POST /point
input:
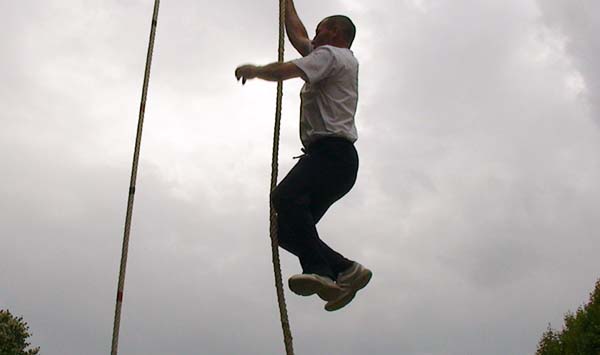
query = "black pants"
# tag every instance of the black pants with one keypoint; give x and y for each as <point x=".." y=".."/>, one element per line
<point x="322" y="176"/>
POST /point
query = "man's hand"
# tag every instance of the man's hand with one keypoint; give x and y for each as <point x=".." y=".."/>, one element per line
<point x="246" y="72"/>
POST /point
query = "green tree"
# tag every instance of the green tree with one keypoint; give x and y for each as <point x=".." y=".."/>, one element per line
<point x="13" y="335"/>
<point x="580" y="334"/>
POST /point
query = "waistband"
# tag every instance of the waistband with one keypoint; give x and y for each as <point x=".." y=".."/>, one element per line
<point x="324" y="142"/>
<point x="327" y="140"/>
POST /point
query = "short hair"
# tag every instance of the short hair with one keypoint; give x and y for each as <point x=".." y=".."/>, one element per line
<point x="345" y="25"/>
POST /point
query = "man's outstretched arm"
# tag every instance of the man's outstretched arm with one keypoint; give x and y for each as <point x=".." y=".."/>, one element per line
<point x="269" y="72"/>
<point x="295" y="29"/>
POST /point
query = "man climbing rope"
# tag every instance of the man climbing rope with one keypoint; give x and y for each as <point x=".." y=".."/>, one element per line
<point x="329" y="166"/>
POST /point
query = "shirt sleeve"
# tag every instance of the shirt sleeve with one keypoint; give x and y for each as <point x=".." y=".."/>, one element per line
<point x="318" y="65"/>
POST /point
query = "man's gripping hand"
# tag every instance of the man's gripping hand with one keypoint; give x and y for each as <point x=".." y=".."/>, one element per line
<point x="246" y="72"/>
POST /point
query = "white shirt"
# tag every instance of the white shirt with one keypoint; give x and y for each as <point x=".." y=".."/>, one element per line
<point x="330" y="95"/>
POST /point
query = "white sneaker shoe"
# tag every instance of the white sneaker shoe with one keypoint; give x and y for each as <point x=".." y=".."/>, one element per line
<point x="309" y="284"/>
<point x="350" y="281"/>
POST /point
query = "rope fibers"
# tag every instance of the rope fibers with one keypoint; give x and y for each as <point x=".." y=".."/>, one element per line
<point x="285" y="324"/>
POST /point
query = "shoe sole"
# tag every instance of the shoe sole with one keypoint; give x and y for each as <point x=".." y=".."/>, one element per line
<point x="341" y="302"/>
<point x="309" y="286"/>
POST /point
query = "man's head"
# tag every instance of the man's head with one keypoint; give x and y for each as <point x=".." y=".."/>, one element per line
<point x="337" y="30"/>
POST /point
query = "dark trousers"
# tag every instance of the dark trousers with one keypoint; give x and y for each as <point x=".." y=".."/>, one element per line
<point x="322" y="176"/>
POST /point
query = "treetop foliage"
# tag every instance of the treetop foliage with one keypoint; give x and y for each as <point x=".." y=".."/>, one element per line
<point x="13" y="335"/>
<point x="580" y="334"/>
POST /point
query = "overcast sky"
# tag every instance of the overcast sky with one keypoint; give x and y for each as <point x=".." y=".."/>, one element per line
<point x="476" y="205"/>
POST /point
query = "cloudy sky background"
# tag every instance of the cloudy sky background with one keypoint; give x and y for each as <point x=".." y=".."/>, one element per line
<point x="476" y="205"/>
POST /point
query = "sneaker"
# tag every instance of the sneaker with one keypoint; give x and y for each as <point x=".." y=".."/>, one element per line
<point x="350" y="281"/>
<point x="309" y="284"/>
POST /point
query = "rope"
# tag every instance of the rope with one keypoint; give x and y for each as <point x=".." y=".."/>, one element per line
<point x="285" y="324"/>
<point x="274" y="168"/>
<point x="136" y="154"/>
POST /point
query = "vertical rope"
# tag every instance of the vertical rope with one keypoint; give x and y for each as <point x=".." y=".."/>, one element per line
<point x="136" y="154"/>
<point x="285" y="324"/>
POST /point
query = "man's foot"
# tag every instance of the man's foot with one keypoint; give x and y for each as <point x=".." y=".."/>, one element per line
<point x="350" y="281"/>
<point x="309" y="284"/>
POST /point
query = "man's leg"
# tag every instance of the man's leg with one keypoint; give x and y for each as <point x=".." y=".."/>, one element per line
<point x="297" y="231"/>
<point x="339" y="168"/>
<point x="338" y="178"/>
<point x="318" y="180"/>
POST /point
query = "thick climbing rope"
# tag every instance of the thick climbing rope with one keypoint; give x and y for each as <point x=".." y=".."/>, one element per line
<point x="136" y="155"/>
<point x="285" y="324"/>
<point x="274" y="169"/>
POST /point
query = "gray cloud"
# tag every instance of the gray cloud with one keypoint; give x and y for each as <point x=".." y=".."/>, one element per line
<point x="578" y="24"/>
